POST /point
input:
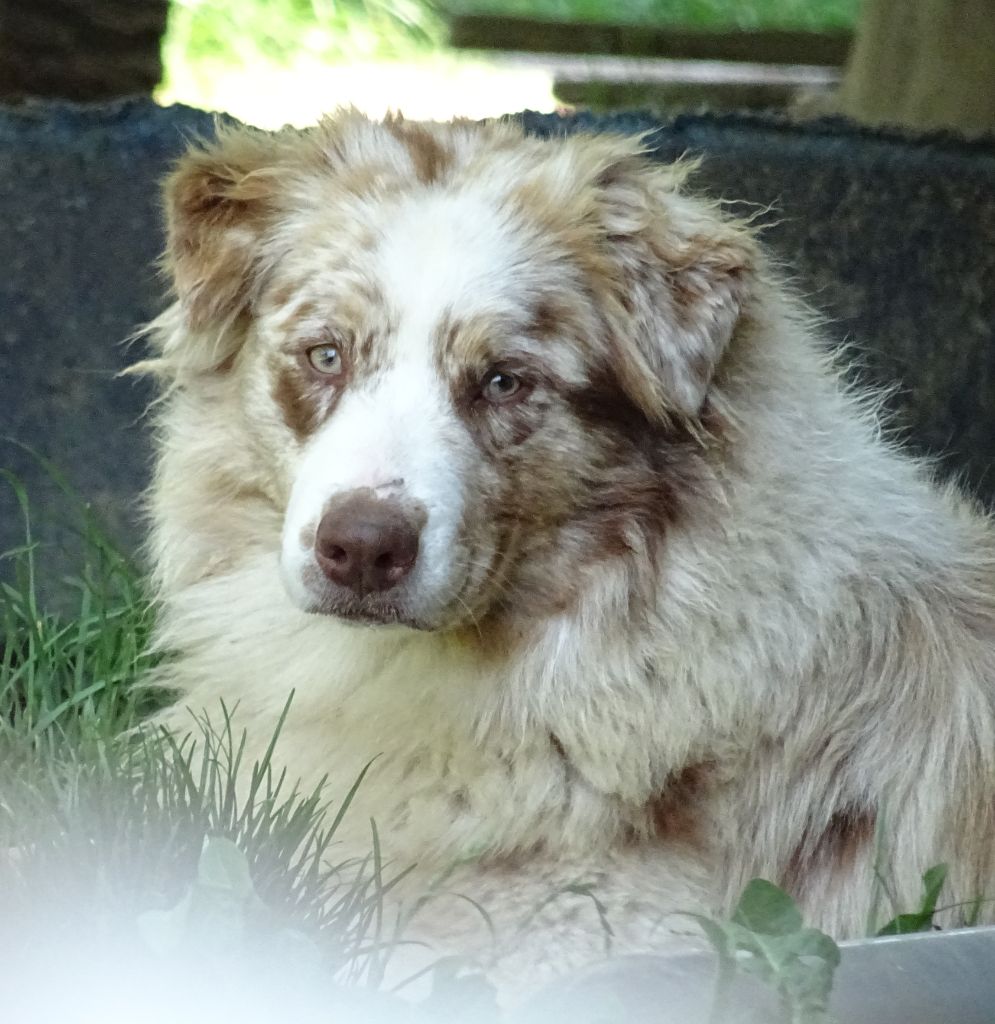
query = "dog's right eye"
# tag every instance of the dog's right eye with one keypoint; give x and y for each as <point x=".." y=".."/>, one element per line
<point x="498" y="387"/>
<point x="326" y="359"/>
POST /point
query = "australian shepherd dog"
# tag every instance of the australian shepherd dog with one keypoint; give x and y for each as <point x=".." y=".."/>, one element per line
<point x="519" y="466"/>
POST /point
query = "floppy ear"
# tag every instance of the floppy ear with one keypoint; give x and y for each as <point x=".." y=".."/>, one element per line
<point x="681" y="273"/>
<point x="219" y="202"/>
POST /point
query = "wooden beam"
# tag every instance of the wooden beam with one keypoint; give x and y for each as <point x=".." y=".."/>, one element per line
<point x="764" y="46"/>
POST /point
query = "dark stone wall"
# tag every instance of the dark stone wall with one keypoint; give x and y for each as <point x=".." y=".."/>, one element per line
<point x="894" y="240"/>
<point x="79" y="238"/>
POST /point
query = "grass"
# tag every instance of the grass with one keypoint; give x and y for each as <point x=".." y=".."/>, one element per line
<point x="67" y="682"/>
<point x="119" y="840"/>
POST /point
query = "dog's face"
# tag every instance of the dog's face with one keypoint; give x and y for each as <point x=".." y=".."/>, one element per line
<point x="473" y="363"/>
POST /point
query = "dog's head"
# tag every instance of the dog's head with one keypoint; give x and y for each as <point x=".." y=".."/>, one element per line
<point x="474" y="363"/>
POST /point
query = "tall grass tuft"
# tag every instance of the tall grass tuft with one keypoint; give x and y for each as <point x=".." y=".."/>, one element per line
<point x="109" y="826"/>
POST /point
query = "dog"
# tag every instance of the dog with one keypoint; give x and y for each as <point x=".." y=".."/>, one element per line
<point x="519" y="465"/>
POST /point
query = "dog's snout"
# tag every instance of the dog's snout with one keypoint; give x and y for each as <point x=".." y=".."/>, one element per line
<point x="366" y="544"/>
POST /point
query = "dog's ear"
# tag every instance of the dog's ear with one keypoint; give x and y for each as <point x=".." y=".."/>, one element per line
<point x="680" y="272"/>
<point x="219" y="203"/>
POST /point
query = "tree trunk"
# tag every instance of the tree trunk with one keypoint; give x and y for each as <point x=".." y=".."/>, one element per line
<point x="924" y="64"/>
<point x="80" y="49"/>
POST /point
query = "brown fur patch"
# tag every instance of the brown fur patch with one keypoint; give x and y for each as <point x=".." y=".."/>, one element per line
<point x="834" y="850"/>
<point x="370" y="351"/>
<point x="429" y="157"/>
<point x="658" y="467"/>
<point x="302" y="313"/>
<point x="462" y="343"/>
<point x="560" y="529"/>
<point x="217" y="204"/>
<point x="557" y="745"/>
<point x="300" y="414"/>
<point x="548" y="318"/>
<point x="227" y="364"/>
<point x="465" y="351"/>
<point x="282" y="294"/>
<point x="304" y="402"/>
<point x="675" y="814"/>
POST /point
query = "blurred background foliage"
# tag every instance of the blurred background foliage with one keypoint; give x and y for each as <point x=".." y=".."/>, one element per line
<point x="239" y="32"/>
<point x="743" y="14"/>
<point x="270" y="61"/>
<point x="920" y="64"/>
<point x="276" y="61"/>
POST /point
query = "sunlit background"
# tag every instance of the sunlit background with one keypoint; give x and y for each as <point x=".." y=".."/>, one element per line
<point x="273" y="62"/>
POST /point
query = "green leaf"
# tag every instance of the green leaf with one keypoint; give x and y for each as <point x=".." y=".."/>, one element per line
<point x="810" y="942"/>
<point x="716" y="933"/>
<point x="224" y="866"/>
<point x="933" y="881"/>
<point x="767" y="910"/>
<point x="769" y="954"/>
<point x="920" y="920"/>
<point x="767" y="939"/>
<point x="906" y="924"/>
<point x="807" y="991"/>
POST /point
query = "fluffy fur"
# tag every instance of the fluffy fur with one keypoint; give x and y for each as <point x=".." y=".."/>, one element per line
<point x="680" y="617"/>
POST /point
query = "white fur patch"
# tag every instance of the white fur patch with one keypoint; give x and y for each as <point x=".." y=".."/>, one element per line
<point x="398" y="437"/>
<point x="398" y="433"/>
<point x="447" y="251"/>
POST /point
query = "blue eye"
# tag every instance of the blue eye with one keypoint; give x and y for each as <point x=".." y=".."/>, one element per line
<point x="499" y="386"/>
<point x="325" y="359"/>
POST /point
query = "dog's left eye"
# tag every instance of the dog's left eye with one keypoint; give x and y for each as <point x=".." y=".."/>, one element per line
<point x="325" y="359"/>
<point x="499" y="386"/>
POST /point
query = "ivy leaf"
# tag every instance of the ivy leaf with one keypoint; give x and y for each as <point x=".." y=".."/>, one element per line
<point x="764" y="909"/>
<point x="806" y="988"/>
<point x="766" y="938"/>
<point x="810" y="942"/>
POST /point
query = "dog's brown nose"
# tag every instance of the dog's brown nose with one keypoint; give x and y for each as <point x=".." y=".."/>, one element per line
<point x="365" y="543"/>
